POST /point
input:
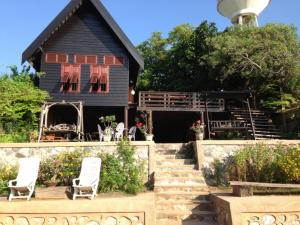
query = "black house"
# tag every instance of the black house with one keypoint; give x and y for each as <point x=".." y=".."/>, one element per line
<point x="86" y="57"/>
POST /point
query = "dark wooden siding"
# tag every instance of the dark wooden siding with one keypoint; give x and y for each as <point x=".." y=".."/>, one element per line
<point x="87" y="33"/>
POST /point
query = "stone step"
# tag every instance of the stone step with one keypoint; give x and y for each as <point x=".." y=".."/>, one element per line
<point x="185" y="215"/>
<point x="171" y="156"/>
<point x="203" y="205"/>
<point x="186" y="188"/>
<point x="178" y="173"/>
<point x="187" y="222"/>
<point x="172" y="146"/>
<point x="175" y="167"/>
<point x="175" y="161"/>
<point x="179" y="196"/>
<point x="179" y="181"/>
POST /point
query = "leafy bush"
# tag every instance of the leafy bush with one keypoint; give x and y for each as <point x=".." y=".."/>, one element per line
<point x="262" y="163"/>
<point x="119" y="172"/>
<point x="61" y="168"/>
<point x="122" y="172"/>
<point x="7" y="173"/>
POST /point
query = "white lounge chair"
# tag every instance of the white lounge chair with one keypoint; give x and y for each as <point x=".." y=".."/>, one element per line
<point x="23" y="186"/>
<point x="131" y="133"/>
<point x="87" y="183"/>
<point x="100" y="131"/>
<point x="119" y="131"/>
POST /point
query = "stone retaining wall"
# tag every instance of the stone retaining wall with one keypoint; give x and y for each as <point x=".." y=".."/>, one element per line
<point x="257" y="210"/>
<point x="10" y="153"/>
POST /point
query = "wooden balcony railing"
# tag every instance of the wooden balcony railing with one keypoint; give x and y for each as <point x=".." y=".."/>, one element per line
<point x="179" y="101"/>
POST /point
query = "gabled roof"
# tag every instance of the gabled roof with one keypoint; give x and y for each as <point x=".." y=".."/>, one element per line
<point x="65" y="14"/>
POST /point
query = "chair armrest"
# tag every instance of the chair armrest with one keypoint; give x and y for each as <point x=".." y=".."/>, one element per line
<point x="10" y="183"/>
<point x="74" y="181"/>
<point x="95" y="182"/>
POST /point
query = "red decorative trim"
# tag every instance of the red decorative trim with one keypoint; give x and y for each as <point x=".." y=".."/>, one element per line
<point x="119" y="61"/>
<point x="91" y="59"/>
<point x="56" y="58"/>
<point x="50" y="58"/>
<point x="109" y="60"/>
<point x="85" y="59"/>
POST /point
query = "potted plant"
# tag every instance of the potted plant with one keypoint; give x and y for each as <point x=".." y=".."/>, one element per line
<point x="144" y="126"/>
<point x="109" y="123"/>
<point x="198" y="129"/>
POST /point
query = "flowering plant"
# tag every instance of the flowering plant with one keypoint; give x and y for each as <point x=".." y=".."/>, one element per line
<point x="141" y="122"/>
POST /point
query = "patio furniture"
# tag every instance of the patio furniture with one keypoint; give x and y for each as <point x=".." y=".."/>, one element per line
<point x="131" y="133"/>
<point x="23" y="186"/>
<point x="119" y="131"/>
<point x="100" y="131"/>
<point x="87" y="183"/>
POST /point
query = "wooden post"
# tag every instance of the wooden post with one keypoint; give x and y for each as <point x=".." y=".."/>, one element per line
<point x="126" y="120"/>
<point x="150" y="122"/>
<point x="207" y="118"/>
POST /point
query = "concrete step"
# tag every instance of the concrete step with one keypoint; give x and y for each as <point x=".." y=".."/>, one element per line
<point x="180" y="195"/>
<point x="173" y="146"/>
<point x="178" y="173"/>
<point x="185" y="188"/>
<point x="180" y="181"/>
<point x="175" y="161"/>
<point x="202" y="205"/>
<point x="178" y="215"/>
<point x="171" y="156"/>
<point x="175" y="167"/>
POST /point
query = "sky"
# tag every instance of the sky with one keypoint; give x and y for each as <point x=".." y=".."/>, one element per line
<point x="22" y="21"/>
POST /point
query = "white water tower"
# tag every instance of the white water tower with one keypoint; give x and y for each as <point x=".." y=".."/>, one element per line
<point x="243" y="12"/>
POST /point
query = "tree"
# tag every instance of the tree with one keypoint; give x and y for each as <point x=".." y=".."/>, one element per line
<point x="265" y="60"/>
<point x="177" y="63"/>
<point x="20" y="101"/>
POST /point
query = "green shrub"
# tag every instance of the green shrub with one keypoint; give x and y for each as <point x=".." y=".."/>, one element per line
<point x="289" y="164"/>
<point x="61" y="168"/>
<point x="7" y="173"/>
<point x="122" y="172"/>
<point x="262" y="163"/>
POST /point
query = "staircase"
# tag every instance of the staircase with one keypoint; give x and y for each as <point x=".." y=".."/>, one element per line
<point x="263" y="125"/>
<point x="180" y="190"/>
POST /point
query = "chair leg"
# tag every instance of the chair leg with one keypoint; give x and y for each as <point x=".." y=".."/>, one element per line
<point x="12" y="194"/>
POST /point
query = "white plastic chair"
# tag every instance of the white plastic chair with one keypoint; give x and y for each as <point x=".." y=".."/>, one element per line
<point x="119" y="131"/>
<point x="101" y="135"/>
<point x="87" y="183"/>
<point x="23" y="186"/>
<point x="131" y="133"/>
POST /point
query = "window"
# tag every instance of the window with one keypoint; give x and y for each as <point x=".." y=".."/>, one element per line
<point x="56" y="58"/>
<point x="113" y="60"/>
<point x="85" y="59"/>
<point x="70" y="78"/>
<point x="99" y="79"/>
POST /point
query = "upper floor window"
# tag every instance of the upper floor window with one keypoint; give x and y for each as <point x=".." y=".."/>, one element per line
<point x="85" y="59"/>
<point x="70" y="78"/>
<point x="56" y="58"/>
<point x="99" y="79"/>
<point x="113" y="60"/>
